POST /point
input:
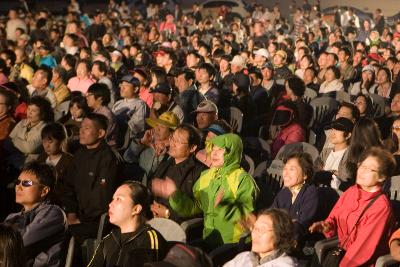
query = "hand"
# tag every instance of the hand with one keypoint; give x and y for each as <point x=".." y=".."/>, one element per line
<point x="147" y="138"/>
<point x="163" y="188"/>
<point x="159" y="210"/>
<point x="248" y="221"/>
<point x="219" y="197"/>
<point x="72" y="218"/>
<point x="160" y="147"/>
<point x="321" y="227"/>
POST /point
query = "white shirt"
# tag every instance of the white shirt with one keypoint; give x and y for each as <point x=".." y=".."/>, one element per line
<point x="333" y="160"/>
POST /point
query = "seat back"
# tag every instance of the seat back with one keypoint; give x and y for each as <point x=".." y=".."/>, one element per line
<point x="323" y="109"/>
<point x="309" y="94"/>
<point x="61" y="110"/>
<point x="236" y="119"/>
<point x="343" y="96"/>
<point x="386" y="261"/>
<point x="251" y="164"/>
<point x="392" y="190"/>
<point x="169" y="229"/>
<point x="288" y="149"/>
<point x="274" y="177"/>
<point x="260" y="170"/>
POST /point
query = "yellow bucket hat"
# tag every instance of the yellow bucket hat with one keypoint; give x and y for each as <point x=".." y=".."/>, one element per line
<point x="167" y="119"/>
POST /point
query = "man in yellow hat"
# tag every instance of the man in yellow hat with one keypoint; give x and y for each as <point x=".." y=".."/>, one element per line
<point x="146" y="154"/>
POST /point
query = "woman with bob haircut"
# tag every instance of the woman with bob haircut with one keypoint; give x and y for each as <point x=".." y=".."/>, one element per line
<point x="298" y="196"/>
<point x="272" y="240"/>
<point x="133" y="242"/>
<point x="366" y="240"/>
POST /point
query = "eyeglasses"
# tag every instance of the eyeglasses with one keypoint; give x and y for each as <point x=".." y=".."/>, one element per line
<point x="366" y="168"/>
<point x="359" y="103"/>
<point x="26" y="183"/>
<point x="395" y="128"/>
<point x="172" y="140"/>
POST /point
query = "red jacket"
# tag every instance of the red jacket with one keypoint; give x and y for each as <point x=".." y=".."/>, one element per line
<point x="293" y="133"/>
<point x="369" y="240"/>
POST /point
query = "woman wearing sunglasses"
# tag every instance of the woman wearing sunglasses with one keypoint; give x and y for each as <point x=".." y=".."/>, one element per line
<point x="42" y="225"/>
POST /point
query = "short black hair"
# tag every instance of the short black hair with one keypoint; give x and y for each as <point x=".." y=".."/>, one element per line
<point x="70" y="60"/>
<point x="100" y="90"/>
<point x="43" y="172"/>
<point x="305" y="162"/>
<point x="80" y="101"/>
<point x="99" y="119"/>
<point x="47" y="72"/>
<point x="194" y="138"/>
<point x="296" y="85"/>
<point x="188" y="74"/>
<point x="55" y="131"/>
<point x="102" y="66"/>
<point x="355" y="113"/>
<point x="208" y="67"/>
<point x="335" y="70"/>
<point x="46" y="111"/>
<point x="10" y="54"/>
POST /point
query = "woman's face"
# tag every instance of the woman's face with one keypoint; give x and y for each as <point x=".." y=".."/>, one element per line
<point x="361" y="104"/>
<point x="121" y="207"/>
<point x="94" y="46"/>
<point x="76" y="112"/>
<point x="381" y="78"/>
<point x="81" y="71"/>
<point x="293" y="173"/>
<point x="368" y="176"/>
<point x="33" y="114"/>
<point x="396" y="129"/>
<point x="366" y="76"/>
<point x="30" y="194"/>
<point x="336" y="137"/>
<point x="304" y="63"/>
<point x="263" y="236"/>
<point x="329" y="75"/>
<point x="217" y="156"/>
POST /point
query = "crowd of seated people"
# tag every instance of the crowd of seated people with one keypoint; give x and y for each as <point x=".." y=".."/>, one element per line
<point x="149" y="113"/>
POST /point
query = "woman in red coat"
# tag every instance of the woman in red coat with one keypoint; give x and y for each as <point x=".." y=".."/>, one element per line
<point x="369" y="239"/>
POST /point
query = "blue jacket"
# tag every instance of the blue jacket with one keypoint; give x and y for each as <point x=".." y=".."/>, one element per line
<point x="304" y="209"/>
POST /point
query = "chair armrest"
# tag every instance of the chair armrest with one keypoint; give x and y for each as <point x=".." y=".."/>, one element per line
<point x="384" y="261"/>
<point x="322" y="246"/>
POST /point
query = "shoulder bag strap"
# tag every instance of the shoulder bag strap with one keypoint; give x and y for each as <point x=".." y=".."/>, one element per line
<point x="359" y="218"/>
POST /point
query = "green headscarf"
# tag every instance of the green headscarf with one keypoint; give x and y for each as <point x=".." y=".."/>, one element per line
<point x="233" y="151"/>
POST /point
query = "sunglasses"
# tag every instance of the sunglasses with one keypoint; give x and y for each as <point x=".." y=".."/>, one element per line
<point x="25" y="183"/>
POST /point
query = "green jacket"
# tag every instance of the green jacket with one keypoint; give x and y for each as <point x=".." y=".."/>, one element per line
<point x="221" y="223"/>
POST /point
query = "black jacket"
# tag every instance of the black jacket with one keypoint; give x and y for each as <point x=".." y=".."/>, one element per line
<point x="185" y="174"/>
<point x="90" y="182"/>
<point x="130" y="249"/>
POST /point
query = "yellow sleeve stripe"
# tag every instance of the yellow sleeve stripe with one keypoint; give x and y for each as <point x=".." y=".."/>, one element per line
<point x="155" y="239"/>
<point x="151" y="239"/>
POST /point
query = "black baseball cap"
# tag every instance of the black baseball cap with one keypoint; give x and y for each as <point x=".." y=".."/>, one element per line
<point x="341" y="124"/>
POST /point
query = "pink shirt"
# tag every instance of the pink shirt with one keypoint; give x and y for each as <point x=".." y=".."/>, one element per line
<point x="146" y="96"/>
<point x="81" y="85"/>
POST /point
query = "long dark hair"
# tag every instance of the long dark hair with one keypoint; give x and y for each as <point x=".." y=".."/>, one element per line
<point x="11" y="247"/>
<point x="365" y="135"/>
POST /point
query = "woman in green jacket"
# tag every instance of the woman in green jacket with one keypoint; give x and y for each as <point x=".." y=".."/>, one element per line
<point x="224" y="194"/>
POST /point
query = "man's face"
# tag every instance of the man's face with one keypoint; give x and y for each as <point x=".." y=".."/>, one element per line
<point x="38" y="80"/>
<point x="181" y="83"/>
<point x="179" y="145"/>
<point x="204" y="120"/>
<point x="89" y="133"/>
